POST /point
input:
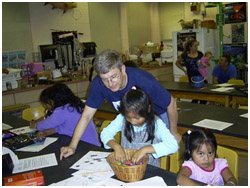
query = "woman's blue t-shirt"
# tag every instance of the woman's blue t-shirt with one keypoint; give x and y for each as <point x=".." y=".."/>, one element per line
<point x="191" y="64"/>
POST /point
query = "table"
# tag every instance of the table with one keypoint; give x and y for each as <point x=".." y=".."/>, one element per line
<point x="239" y="97"/>
<point x="234" y="136"/>
<point x="187" y="91"/>
<point x="61" y="171"/>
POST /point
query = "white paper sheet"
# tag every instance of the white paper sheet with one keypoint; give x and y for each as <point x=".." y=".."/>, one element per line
<point x="223" y="85"/>
<point x="6" y="126"/>
<point x="92" y="161"/>
<point x="33" y="163"/>
<point x="37" y="148"/>
<point x="154" y="181"/>
<point x="244" y="115"/>
<point x="223" y="89"/>
<point x="213" y="124"/>
<point x="110" y="182"/>
<point x="22" y="130"/>
<point x="72" y="181"/>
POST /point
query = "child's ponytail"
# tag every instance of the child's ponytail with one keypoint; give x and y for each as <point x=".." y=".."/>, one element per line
<point x="187" y="153"/>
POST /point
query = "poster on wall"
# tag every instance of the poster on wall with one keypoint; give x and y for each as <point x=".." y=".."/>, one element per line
<point x="238" y="34"/>
<point x="14" y="59"/>
<point x="182" y="39"/>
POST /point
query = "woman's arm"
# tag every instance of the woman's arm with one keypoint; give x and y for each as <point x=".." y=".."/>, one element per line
<point x="179" y="64"/>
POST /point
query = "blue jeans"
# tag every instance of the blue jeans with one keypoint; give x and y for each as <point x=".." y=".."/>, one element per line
<point x="164" y="117"/>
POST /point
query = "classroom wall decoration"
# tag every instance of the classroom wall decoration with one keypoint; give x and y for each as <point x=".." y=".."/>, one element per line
<point x="14" y="59"/>
<point x="238" y="34"/>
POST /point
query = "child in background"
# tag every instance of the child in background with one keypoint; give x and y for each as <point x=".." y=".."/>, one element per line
<point x="141" y="130"/>
<point x="64" y="109"/>
<point x="204" y="63"/>
<point x="200" y="163"/>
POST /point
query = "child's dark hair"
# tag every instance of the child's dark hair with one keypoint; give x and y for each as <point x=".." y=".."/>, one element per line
<point x="61" y="95"/>
<point x="137" y="101"/>
<point x="195" y="139"/>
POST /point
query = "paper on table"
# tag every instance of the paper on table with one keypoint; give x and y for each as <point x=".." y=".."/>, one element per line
<point x="33" y="163"/>
<point x="154" y="181"/>
<point x="37" y="148"/>
<point x="76" y="181"/>
<point x="223" y="85"/>
<point x="92" y="161"/>
<point x="110" y="182"/>
<point x="223" y="89"/>
<point x="213" y="124"/>
<point x="22" y="130"/>
<point x="6" y="126"/>
<point x="244" y="115"/>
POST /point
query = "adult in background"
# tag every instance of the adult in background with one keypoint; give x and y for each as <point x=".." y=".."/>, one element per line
<point x="114" y="79"/>
<point x="224" y="71"/>
<point x="189" y="59"/>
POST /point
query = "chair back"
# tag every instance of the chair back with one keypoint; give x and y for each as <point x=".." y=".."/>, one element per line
<point x="176" y="159"/>
<point x="236" y="82"/>
<point x="105" y="123"/>
<point x="232" y="159"/>
<point x="33" y="113"/>
<point x="183" y="79"/>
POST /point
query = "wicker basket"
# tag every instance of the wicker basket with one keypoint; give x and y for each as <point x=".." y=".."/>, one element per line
<point x="128" y="173"/>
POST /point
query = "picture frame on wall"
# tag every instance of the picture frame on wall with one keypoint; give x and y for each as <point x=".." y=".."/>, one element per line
<point x="238" y="33"/>
<point x="235" y="12"/>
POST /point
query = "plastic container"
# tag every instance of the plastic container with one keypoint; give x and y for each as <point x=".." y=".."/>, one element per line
<point x="198" y="81"/>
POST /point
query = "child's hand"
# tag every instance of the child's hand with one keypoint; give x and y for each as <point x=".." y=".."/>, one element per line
<point x="138" y="155"/>
<point x="120" y="154"/>
<point x="40" y="135"/>
<point x="32" y="124"/>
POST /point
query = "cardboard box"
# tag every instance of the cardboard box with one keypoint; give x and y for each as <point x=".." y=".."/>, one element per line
<point x="33" y="178"/>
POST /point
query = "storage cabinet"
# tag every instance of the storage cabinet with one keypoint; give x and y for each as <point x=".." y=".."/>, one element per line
<point x="30" y="96"/>
<point x="163" y="73"/>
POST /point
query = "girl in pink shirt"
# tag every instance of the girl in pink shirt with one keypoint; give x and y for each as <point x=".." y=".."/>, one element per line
<point x="204" y="63"/>
<point x="200" y="163"/>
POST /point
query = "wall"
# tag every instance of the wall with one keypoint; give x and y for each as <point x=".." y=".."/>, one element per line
<point x="139" y="26"/>
<point x="170" y="14"/>
<point x="105" y="25"/>
<point x="111" y="25"/>
<point x="16" y="28"/>
<point x="45" y="20"/>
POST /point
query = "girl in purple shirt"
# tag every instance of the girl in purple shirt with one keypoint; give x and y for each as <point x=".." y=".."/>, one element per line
<point x="200" y="163"/>
<point x="64" y="109"/>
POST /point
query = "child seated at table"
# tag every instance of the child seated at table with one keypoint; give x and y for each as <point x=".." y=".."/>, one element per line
<point x="63" y="111"/>
<point x="141" y="130"/>
<point x="200" y="163"/>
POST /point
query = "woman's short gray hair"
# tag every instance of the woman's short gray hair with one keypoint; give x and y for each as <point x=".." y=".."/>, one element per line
<point x="106" y="61"/>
